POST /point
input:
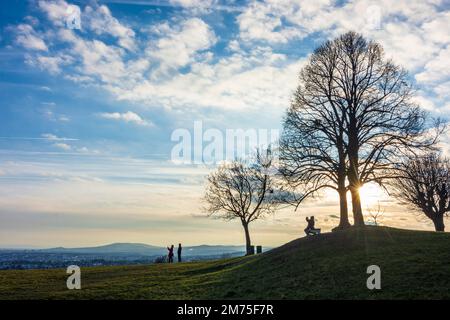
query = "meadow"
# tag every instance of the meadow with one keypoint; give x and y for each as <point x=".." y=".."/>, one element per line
<point x="414" y="265"/>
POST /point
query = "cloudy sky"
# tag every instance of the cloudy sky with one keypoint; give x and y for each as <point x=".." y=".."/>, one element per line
<point x="91" y="92"/>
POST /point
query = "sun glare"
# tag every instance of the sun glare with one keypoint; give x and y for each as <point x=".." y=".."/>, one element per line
<point x="370" y="195"/>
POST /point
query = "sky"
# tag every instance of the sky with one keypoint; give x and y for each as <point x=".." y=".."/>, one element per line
<point x="95" y="95"/>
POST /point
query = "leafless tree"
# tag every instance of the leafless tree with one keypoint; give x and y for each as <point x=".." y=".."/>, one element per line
<point x="376" y="214"/>
<point x="242" y="190"/>
<point x="382" y="123"/>
<point x="423" y="185"/>
<point x="350" y="94"/>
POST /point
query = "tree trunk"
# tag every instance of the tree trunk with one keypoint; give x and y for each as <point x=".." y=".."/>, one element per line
<point x="342" y="190"/>
<point x="353" y="172"/>
<point x="439" y="223"/>
<point x="248" y="243"/>
<point x="343" y="217"/>
<point x="353" y="178"/>
<point x="358" y="217"/>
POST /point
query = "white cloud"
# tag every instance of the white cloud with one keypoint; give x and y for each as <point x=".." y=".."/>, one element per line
<point x="96" y="19"/>
<point x="424" y="102"/>
<point x="63" y="118"/>
<point x="51" y="64"/>
<point x="436" y="69"/>
<point x="438" y="29"/>
<point x="261" y="79"/>
<point x="52" y="137"/>
<point x="250" y="74"/>
<point x="263" y="21"/>
<point x="49" y="136"/>
<point x="127" y="117"/>
<point x="63" y="146"/>
<point x="414" y="33"/>
<point x="405" y="27"/>
<point x="83" y="150"/>
<point x="56" y="10"/>
<point x="406" y="44"/>
<point x="234" y="45"/>
<point x="192" y="3"/>
<point x="97" y="59"/>
<point x="180" y="44"/>
<point x="443" y="90"/>
<point x="68" y="147"/>
<point x="29" y="39"/>
<point x="202" y="7"/>
<point x="101" y="21"/>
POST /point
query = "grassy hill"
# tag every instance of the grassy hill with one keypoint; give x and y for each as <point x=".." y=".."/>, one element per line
<point x="414" y="265"/>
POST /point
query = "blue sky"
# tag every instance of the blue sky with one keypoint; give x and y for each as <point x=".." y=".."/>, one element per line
<point x="87" y="114"/>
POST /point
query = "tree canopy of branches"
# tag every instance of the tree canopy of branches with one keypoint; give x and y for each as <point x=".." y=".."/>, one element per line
<point x="354" y="115"/>
<point x="424" y="186"/>
<point x="241" y="190"/>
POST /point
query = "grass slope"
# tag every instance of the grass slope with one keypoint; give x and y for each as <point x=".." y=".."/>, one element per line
<point x="414" y="265"/>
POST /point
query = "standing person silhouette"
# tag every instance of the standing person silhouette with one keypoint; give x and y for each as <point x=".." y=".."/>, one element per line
<point x="170" y="255"/>
<point x="179" y="252"/>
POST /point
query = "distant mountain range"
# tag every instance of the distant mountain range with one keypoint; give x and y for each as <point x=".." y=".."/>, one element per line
<point x="146" y="250"/>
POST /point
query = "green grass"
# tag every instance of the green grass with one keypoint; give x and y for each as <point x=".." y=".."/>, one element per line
<point x="414" y="265"/>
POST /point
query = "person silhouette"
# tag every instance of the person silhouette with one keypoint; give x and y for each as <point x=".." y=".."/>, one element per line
<point x="179" y="252"/>
<point x="170" y="255"/>
<point x="310" y="228"/>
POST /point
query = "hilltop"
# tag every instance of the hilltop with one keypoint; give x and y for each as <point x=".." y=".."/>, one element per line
<point x="414" y="265"/>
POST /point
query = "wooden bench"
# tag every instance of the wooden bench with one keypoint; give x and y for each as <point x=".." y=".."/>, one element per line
<point x="313" y="232"/>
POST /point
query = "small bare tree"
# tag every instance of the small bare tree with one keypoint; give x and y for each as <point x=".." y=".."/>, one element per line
<point x="376" y="214"/>
<point x="242" y="190"/>
<point x="423" y="186"/>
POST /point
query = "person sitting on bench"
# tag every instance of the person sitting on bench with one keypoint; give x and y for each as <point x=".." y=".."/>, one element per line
<point x="310" y="229"/>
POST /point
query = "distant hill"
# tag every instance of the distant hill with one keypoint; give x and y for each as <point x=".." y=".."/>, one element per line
<point x="146" y="250"/>
<point x="414" y="265"/>
<point x="113" y="248"/>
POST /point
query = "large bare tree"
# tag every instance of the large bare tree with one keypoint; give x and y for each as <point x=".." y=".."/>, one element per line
<point x="382" y="123"/>
<point x="242" y="190"/>
<point x="352" y="95"/>
<point x="423" y="185"/>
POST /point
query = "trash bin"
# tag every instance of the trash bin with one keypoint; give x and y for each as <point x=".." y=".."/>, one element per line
<point x="258" y="249"/>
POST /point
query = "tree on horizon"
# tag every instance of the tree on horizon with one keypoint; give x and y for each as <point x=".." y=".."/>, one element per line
<point x="242" y="190"/>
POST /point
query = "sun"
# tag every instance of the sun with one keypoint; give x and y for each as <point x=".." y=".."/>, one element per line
<point x="371" y="194"/>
